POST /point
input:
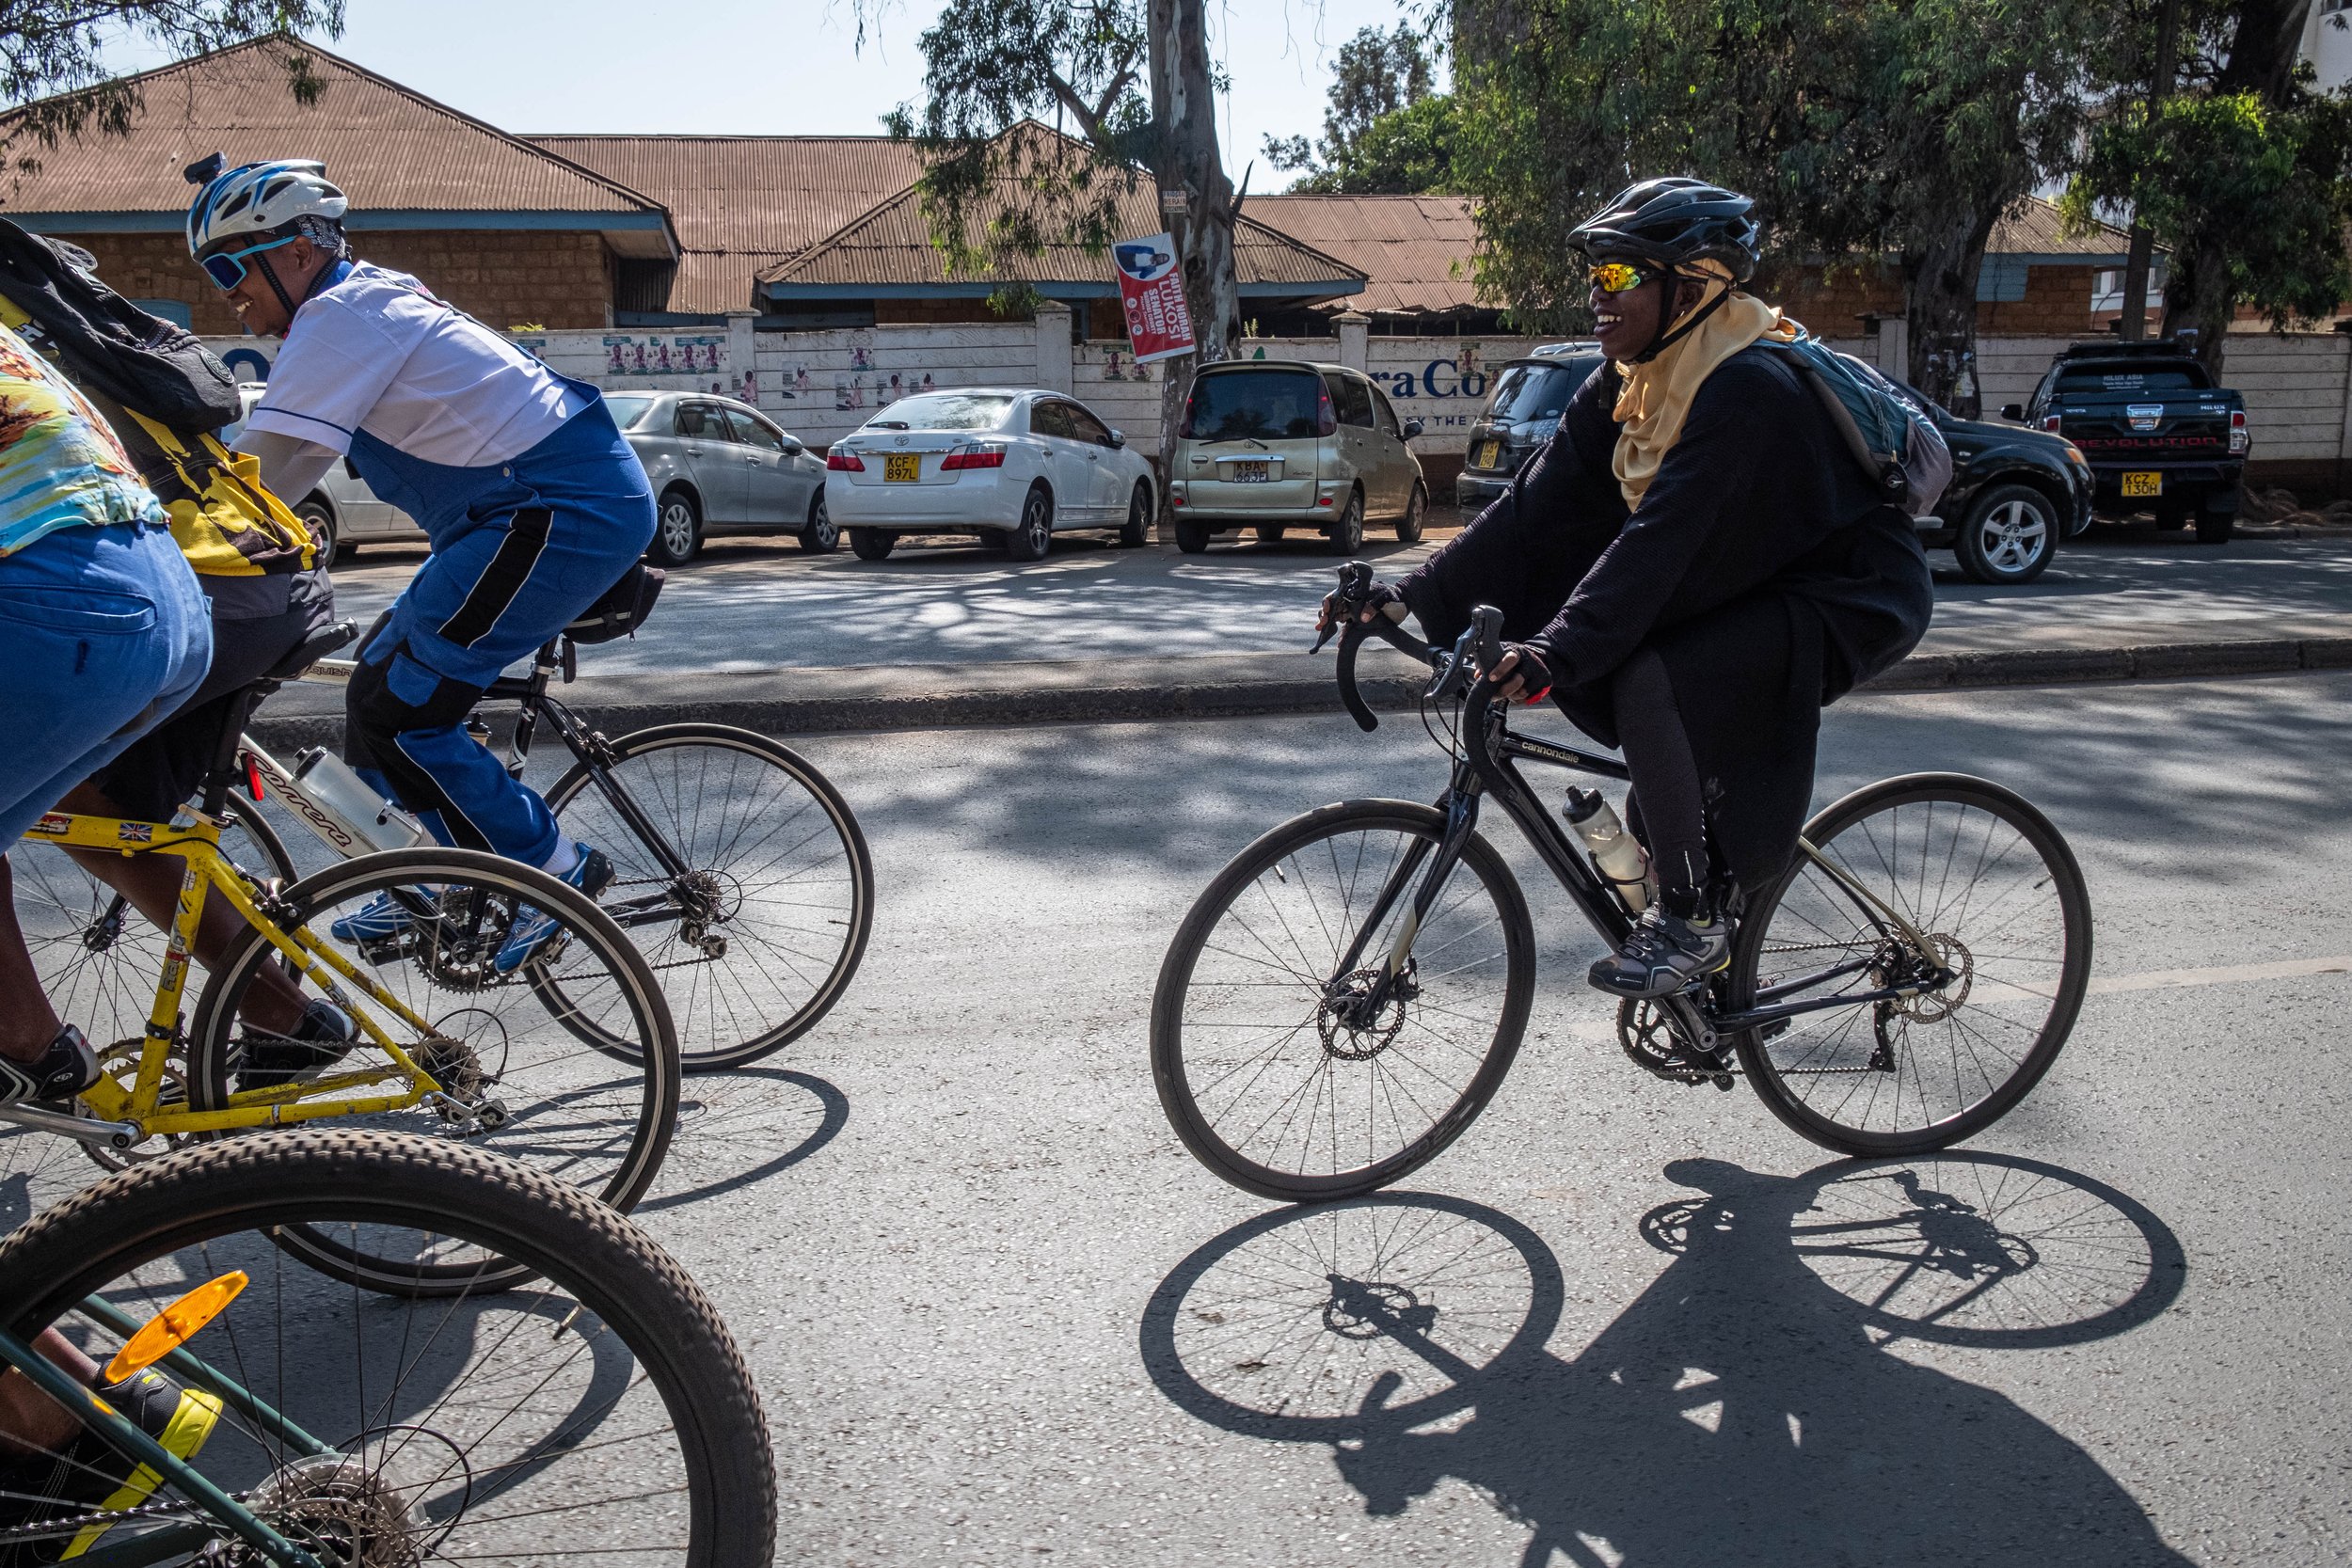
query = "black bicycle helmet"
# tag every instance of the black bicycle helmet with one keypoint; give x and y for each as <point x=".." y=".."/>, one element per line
<point x="1673" y="221"/>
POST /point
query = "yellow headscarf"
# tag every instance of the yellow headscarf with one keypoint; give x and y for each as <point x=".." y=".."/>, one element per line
<point x="1654" y="398"/>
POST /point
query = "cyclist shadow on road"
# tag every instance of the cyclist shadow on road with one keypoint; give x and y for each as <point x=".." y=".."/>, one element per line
<point x="1746" y="1407"/>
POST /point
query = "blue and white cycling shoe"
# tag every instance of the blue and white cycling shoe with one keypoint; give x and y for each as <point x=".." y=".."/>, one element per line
<point x="592" y="873"/>
<point x="374" y="920"/>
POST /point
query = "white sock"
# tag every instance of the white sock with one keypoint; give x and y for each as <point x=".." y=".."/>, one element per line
<point x="566" y="855"/>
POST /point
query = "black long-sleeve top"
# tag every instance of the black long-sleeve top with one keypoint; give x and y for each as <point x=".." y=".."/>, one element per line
<point x="1758" y="492"/>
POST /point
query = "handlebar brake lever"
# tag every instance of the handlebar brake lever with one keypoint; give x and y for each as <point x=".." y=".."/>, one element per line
<point x="1355" y="583"/>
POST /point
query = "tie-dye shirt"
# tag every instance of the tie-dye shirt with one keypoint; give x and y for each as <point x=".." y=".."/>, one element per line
<point x="60" y="464"/>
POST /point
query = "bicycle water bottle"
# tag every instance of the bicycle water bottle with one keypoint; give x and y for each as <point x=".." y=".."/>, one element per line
<point x="367" y="817"/>
<point x="1619" y="857"/>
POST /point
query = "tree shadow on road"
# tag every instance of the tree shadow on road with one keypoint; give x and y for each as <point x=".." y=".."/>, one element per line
<point x="1747" y="1407"/>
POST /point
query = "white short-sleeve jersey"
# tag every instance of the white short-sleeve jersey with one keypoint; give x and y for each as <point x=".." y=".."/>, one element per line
<point x="376" y="352"/>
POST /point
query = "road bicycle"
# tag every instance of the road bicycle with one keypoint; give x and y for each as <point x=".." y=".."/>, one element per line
<point x="1346" y="995"/>
<point x="739" y="868"/>
<point x="601" y="1411"/>
<point x="442" y="1036"/>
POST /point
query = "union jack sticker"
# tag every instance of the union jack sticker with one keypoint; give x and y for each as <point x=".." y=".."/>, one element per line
<point x="135" y="832"/>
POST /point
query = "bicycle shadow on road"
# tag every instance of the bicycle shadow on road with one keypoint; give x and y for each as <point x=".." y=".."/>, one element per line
<point x="1745" y="1407"/>
<point x="742" y="1127"/>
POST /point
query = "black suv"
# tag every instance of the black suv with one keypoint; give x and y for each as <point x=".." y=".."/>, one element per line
<point x="2159" y="435"/>
<point x="1521" y="414"/>
<point x="2015" y="494"/>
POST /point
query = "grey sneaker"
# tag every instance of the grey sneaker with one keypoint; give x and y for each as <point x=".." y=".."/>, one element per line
<point x="1663" y="953"/>
<point x="62" y="1071"/>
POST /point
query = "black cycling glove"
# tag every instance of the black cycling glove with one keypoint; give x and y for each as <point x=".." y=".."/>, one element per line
<point x="1532" y="669"/>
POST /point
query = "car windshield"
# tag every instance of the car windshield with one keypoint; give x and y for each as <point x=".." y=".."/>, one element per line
<point x="1255" y="405"/>
<point x="2101" y="379"/>
<point x="1530" y="392"/>
<point x="946" y="411"/>
<point x="627" y="407"/>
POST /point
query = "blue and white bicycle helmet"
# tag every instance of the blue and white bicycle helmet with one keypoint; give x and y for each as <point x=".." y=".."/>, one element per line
<point x="258" y="200"/>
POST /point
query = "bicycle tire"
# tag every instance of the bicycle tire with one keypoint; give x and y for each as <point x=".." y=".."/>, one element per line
<point x="1772" y="1066"/>
<point x="602" y="1261"/>
<point x="711" y="1025"/>
<point x="1177" y="1095"/>
<point x="650" y="1099"/>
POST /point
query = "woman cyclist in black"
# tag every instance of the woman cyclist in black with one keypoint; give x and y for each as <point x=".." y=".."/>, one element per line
<point x="1692" y="568"/>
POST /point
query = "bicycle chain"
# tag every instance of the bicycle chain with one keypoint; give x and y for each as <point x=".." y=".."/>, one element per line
<point x="47" y="1529"/>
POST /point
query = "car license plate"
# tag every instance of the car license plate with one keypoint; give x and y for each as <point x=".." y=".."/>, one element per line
<point x="2143" y="484"/>
<point x="1251" y="473"/>
<point x="1489" y="453"/>
<point x="902" y="467"/>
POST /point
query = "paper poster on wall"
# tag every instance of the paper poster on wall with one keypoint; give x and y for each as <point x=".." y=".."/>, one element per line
<point x="699" y="353"/>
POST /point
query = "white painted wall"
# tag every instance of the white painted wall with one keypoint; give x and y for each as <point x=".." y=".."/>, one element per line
<point x="820" y="386"/>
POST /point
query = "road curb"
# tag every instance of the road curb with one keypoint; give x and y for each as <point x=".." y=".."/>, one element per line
<point x="824" y="700"/>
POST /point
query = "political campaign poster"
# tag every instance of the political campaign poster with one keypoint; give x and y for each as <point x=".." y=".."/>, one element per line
<point x="1152" y="287"/>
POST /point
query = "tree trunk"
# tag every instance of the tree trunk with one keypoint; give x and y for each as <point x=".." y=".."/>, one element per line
<point x="2262" y="50"/>
<point x="1940" y="310"/>
<point x="1184" y="107"/>
<point x="2209" y="303"/>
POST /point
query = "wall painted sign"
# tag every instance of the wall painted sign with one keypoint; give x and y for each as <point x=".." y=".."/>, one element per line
<point x="1159" y="327"/>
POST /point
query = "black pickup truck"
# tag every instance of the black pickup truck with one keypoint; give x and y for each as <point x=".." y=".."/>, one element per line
<point x="2159" y="435"/>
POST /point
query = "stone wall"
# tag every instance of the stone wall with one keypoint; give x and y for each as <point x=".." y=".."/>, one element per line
<point x="557" y="279"/>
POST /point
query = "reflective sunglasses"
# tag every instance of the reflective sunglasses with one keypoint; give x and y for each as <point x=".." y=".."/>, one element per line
<point x="1615" y="277"/>
<point x="228" y="269"/>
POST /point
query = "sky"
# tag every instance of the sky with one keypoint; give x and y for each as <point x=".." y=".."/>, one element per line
<point x="781" y="66"/>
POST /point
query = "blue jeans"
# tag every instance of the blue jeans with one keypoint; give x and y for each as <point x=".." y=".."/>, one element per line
<point x="104" y="632"/>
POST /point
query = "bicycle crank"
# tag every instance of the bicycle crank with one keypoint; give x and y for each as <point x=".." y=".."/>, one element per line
<point x="1657" y="1034"/>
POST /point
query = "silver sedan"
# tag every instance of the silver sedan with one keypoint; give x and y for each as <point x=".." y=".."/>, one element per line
<point x="722" y="466"/>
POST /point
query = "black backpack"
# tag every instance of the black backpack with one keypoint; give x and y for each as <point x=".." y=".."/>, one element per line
<point x="109" y="345"/>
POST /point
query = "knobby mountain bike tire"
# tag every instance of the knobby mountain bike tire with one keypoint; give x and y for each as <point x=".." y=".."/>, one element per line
<point x="600" y="1121"/>
<point x="777" y="850"/>
<point x="507" y="1427"/>
<point x="1987" y="879"/>
<point x="1258" y="1072"/>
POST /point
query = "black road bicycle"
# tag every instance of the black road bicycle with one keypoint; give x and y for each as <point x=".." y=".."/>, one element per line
<point x="1347" y="994"/>
<point x="740" y="871"/>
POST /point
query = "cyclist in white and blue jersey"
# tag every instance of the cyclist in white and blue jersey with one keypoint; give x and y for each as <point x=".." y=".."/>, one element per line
<point x="533" y="502"/>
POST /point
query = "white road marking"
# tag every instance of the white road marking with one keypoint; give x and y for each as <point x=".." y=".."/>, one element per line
<point x="2167" y="979"/>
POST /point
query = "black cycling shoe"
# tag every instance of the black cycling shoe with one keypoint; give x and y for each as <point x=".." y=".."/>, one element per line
<point x="60" y="1073"/>
<point x="88" y="1476"/>
<point x="1665" y="953"/>
<point x="324" y="1037"/>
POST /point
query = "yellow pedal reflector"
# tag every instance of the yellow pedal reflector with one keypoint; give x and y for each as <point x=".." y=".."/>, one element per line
<point x="176" y="1325"/>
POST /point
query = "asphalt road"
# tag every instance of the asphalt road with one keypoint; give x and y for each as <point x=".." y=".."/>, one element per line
<point x="754" y="604"/>
<point x="999" y="1316"/>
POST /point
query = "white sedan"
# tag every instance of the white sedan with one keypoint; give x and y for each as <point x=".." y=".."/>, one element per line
<point x="1013" y="466"/>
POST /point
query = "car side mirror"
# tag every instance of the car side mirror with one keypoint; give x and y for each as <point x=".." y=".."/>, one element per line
<point x="1119" y="437"/>
<point x="2014" y="412"/>
<point x="793" y="448"/>
<point x="1412" y="429"/>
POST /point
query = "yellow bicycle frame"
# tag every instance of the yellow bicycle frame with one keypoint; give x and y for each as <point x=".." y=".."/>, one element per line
<point x="198" y="844"/>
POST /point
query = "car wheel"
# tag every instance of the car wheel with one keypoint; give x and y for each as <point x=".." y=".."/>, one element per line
<point x="1347" y="533"/>
<point x="1268" y="534"/>
<point x="1030" y="538"/>
<point x="1416" y="515"/>
<point x="2011" y="534"/>
<point x="318" y="518"/>
<point x="677" y="532"/>
<point x="820" y="537"/>
<point x="872" y="544"/>
<point x="2216" y="528"/>
<point x="1137" y="533"/>
<point x="1191" y="537"/>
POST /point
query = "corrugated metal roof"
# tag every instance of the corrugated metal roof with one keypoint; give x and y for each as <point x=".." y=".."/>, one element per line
<point x="390" y="148"/>
<point x="1414" y="250"/>
<point x="2033" y="229"/>
<point x="745" y="203"/>
<point x="892" y="244"/>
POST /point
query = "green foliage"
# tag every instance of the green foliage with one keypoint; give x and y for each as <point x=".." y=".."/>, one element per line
<point x="53" y="55"/>
<point x="990" y="65"/>
<point x="1863" y="127"/>
<point x="1386" y="130"/>
<point x="2266" y="192"/>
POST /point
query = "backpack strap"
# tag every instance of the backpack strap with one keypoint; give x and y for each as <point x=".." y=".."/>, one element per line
<point x="1884" y="468"/>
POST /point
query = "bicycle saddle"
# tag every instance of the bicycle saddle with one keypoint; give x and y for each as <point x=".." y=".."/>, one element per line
<point x="312" y="648"/>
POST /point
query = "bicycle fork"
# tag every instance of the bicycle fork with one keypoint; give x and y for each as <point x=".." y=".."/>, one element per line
<point x="1358" y="1009"/>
